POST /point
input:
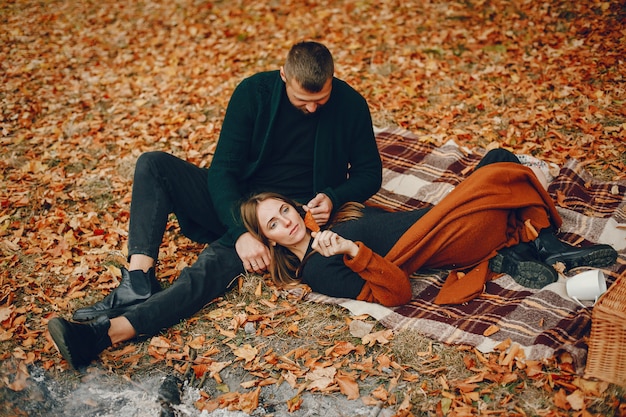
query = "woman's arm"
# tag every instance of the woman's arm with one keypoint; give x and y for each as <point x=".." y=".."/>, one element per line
<point x="385" y="283"/>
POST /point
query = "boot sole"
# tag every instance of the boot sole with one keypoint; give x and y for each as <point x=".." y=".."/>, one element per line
<point x="88" y="316"/>
<point x="595" y="259"/>
<point x="58" y="332"/>
<point x="526" y="273"/>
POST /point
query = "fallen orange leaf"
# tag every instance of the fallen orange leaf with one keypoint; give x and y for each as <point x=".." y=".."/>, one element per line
<point x="347" y="385"/>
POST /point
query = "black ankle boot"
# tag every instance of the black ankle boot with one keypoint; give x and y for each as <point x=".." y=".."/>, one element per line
<point x="136" y="287"/>
<point x="552" y="250"/>
<point x="80" y="343"/>
<point x="521" y="263"/>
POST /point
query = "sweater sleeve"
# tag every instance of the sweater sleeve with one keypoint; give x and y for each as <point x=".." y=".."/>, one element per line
<point x="225" y="176"/>
<point x="385" y="283"/>
<point x="239" y="148"/>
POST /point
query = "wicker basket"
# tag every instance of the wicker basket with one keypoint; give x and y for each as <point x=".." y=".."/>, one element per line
<point x="606" y="359"/>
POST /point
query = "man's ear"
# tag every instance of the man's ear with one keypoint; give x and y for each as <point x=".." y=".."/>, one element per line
<point x="282" y="74"/>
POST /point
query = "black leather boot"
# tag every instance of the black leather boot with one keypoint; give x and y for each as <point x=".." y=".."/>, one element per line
<point x="80" y="343"/>
<point x="136" y="287"/>
<point x="552" y="250"/>
<point x="523" y="265"/>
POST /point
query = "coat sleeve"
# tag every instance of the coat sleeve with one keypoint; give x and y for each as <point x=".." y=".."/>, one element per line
<point x="385" y="283"/>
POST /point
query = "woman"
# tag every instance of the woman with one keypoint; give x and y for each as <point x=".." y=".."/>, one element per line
<point x="301" y="256"/>
<point x="368" y="254"/>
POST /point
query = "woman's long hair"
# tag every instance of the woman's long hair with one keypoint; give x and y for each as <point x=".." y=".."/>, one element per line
<point x="284" y="264"/>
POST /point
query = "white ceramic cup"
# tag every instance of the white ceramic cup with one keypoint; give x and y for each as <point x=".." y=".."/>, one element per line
<point x="586" y="286"/>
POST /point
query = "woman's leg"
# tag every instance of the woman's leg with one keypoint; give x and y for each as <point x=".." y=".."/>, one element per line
<point x="521" y="262"/>
<point x="531" y="263"/>
<point x="497" y="155"/>
<point x="540" y="176"/>
<point x="502" y="155"/>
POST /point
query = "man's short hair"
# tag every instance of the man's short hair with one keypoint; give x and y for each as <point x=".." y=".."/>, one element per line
<point x="310" y="64"/>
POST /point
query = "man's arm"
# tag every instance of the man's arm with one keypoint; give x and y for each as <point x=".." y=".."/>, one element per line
<point x="254" y="255"/>
<point x="226" y="175"/>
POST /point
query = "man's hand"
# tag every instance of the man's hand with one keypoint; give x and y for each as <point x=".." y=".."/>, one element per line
<point x="254" y="254"/>
<point x="329" y="243"/>
<point x="320" y="207"/>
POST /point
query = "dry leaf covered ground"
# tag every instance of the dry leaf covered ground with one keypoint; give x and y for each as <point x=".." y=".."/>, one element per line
<point x="86" y="86"/>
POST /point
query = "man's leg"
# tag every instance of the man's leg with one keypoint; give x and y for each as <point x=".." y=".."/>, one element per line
<point x="163" y="184"/>
<point x="209" y="277"/>
<point x="213" y="273"/>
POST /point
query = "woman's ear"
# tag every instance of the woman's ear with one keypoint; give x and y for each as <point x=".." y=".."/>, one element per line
<point x="272" y="243"/>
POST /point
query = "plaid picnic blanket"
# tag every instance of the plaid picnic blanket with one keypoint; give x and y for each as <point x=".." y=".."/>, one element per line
<point x="543" y="322"/>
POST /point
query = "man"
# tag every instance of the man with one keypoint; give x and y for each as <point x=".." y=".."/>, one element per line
<point x="298" y="131"/>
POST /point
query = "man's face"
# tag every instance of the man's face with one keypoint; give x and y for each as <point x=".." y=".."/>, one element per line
<point x="304" y="100"/>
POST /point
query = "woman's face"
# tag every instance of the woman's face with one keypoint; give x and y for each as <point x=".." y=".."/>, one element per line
<point x="280" y="222"/>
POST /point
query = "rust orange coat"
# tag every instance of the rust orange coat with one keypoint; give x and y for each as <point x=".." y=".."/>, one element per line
<point x="497" y="206"/>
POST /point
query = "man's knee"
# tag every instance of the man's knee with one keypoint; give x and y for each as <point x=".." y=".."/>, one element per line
<point x="151" y="160"/>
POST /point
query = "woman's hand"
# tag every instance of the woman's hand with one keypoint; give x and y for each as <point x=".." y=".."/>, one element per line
<point x="329" y="243"/>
